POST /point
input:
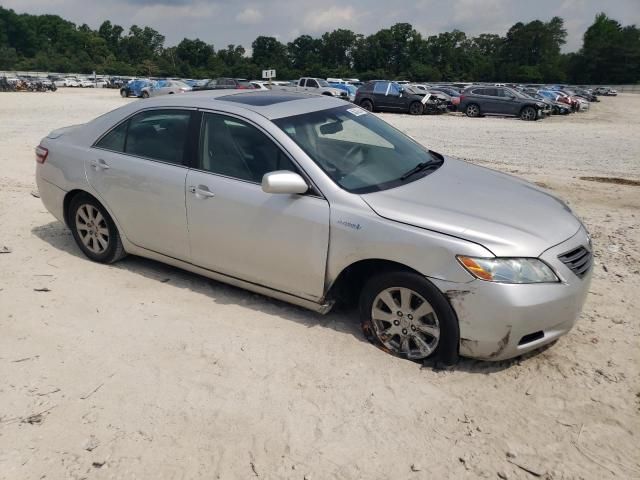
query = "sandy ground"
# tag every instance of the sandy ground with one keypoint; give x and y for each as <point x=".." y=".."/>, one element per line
<point x="139" y="370"/>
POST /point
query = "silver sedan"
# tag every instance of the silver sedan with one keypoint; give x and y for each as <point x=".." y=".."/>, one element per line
<point x="311" y="200"/>
<point x="164" y="87"/>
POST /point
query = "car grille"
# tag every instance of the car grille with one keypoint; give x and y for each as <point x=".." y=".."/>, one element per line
<point x="578" y="260"/>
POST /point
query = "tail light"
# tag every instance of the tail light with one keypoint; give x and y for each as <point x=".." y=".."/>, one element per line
<point x="41" y="154"/>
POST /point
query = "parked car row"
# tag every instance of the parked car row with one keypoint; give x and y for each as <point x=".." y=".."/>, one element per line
<point x="528" y="102"/>
<point x="26" y="84"/>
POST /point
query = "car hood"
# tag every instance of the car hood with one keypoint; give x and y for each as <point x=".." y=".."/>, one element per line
<point x="508" y="216"/>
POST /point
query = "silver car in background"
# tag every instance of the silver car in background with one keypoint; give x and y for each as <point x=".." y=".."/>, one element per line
<point x="164" y="87"/>
<point x="312" y="200"/>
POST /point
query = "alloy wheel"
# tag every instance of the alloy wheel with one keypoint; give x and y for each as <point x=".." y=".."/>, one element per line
<point x="473" y="111"/>
<point x="405" y="322"/>
<point x="528" y="114"/>
<point x="92" y="228"/>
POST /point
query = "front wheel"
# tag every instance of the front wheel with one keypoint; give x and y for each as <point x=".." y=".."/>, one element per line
<point x="367" y="105"/>
<point x="405" y="315"/>
<point x="528" y="114"/>
<point x="416" y="108"/>
<point x="94" y="231"/>
<point x="145" y="94"/>
<point x="124" y="93"/>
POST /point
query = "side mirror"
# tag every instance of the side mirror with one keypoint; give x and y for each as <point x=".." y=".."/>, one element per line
<point x="284" y="181"/>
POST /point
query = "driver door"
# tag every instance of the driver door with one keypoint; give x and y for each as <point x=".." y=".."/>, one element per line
<point x="276" y="240"/>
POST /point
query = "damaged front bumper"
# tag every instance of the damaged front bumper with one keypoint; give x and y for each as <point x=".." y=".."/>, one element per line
<point x="499" y="321"/>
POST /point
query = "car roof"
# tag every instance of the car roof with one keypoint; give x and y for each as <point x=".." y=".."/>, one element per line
<point x="269" y="104"/>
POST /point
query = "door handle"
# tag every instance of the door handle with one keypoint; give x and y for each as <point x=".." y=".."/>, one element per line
<point x="100" y="165"/>
<point x="201" y="191"/>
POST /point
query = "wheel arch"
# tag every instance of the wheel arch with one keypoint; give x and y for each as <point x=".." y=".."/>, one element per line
<point x="349" y="283"/>
<point x="71" y="194"/>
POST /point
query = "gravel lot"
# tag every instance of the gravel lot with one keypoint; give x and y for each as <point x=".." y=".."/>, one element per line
<point x="140" y="370"/>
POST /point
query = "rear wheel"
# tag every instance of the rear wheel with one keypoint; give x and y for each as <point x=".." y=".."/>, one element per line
<point x="405" y="315"/>
<point x="94" y="231"/>
<point x="367" y="105"/>
<point x="124" y="93"/>
<point x="145" y="94"/>
<point x="416" y="108"/>
<point x="528" y="114"/>
<point x="472" y="110"/>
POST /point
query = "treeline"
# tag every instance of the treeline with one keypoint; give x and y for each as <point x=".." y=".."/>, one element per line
<point x="529" y="52"/>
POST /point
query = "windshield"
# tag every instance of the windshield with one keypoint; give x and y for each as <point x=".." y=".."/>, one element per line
<point x="323" y="83"/>
<point x="360" y="152"/>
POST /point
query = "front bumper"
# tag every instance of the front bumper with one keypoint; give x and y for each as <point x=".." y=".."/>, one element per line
<point x="499" y="321"/>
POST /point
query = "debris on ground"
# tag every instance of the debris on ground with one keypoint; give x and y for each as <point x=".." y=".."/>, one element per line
<point x="91" y="443"/>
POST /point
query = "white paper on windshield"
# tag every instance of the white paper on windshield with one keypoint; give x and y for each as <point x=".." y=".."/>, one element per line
<point x="357" y="111"/>
<point x="426" y="98"/>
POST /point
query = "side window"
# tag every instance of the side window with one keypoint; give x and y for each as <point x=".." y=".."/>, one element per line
<point x="394" y="90"/>
<point x="303" y="82"/>
<point x="159" y="135"/>
<point x="234" y="148"/>
<point x="380" y="88"/>
<point x="312" y="83"/>
<point x="114" y="140"/>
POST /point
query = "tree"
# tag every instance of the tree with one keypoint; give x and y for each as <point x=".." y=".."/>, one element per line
<point x="610" y="53"/>
<point x="268" y="52"/>
<point x="528" y="52"/>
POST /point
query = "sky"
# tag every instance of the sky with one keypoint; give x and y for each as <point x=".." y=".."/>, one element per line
<point x="223" y="22"/>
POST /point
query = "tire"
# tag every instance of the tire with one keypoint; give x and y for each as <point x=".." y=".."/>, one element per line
<point x="416" y="108"/>
<point x="528" y="114"/>
<point x="145" y="95"/>
<point x="100" y="240"/>
<point x="398" y="331"/>
<point x="472" y="110"/>
<point x="124" y="93"/>
<point x="367" y="105"/>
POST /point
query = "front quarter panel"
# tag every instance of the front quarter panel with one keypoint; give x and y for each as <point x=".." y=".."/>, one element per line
<point x="358" y="233"/>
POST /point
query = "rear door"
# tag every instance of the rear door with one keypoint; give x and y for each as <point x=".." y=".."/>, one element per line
<point x="380" y="99"/>
<point x="139" y="171"/>
<point x="275" y="240"/>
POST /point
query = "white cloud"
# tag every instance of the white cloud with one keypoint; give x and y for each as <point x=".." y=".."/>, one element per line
<point x="249" y="16"/>
<point x="329" y="18"/>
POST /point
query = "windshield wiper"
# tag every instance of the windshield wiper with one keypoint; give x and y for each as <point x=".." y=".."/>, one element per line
<point x="419" y="168"/>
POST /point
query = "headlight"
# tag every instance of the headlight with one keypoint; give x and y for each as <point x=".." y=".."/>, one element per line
<point x="509" y="270"/>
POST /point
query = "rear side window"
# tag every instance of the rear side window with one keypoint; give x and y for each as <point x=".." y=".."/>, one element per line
<point x="158" y="135"/>
<point x="155" y="134"/>
<point x="381" y="88"/>
<point x="115" y="139"/>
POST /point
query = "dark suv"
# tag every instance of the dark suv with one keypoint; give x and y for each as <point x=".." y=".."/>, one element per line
<point x="226" y="83"/>
<point x="484" y="100"/>
<point x="388" y="96"/>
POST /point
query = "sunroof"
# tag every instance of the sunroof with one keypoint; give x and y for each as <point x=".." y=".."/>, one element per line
<point x="262" y="99"/>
